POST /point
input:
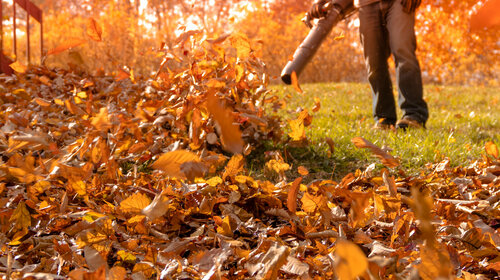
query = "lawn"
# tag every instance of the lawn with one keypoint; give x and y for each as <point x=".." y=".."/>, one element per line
<point x="461" y="120"/>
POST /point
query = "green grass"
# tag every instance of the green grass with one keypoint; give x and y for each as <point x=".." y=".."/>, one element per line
<point x="461" y="120"/>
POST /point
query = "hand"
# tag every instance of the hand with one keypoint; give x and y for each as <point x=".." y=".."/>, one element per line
<point x="316" y="10"/>
<point x="409" y="6"/>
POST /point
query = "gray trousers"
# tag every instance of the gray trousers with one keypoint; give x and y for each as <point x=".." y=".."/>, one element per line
<point x="386" y="29"/>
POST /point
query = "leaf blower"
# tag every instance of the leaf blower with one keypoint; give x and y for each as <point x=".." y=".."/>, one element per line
<point x="335" y="10"/>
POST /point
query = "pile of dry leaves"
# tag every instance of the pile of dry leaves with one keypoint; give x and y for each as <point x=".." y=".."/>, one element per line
<point x="132" y="178"/>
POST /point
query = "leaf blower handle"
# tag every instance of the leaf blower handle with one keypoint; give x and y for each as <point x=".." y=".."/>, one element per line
<point x="336" y="11"/>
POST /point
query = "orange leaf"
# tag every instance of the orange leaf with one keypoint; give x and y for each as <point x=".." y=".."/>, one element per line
<point x="291" y="202"/>
<point x="491" y="149"/>
<point x="68" y="44"/>
<point x="101" y="120"/>
<point x="234" y="166"/>
<point x="352" y="261"/>
<point x="295" y="82"/>
<point x="94" y="31"/>
<point x="302" y="170"/>
<point x="122" y="75"/>
<point x="230" y="132"/>
<point x="242" y="45"/>
<point x="386" y="159"/>
<point x="135" y="203"/>
<point x="18" y="67"/>
<point x="171" y="163"/>
<point x="311" y="203"/>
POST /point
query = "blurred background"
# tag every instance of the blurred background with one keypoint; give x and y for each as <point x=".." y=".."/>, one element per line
<point x="134" y="31"/>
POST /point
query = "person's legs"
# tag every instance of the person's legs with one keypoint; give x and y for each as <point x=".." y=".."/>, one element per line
<point x="374" y="38"/>
<point x="408" y="75"/>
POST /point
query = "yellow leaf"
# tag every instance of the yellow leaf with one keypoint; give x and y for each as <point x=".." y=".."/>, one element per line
<point x="126" y="256"/>
<point x="298" y="132"/>
<point x="491" y="149"/>
<point x="310" y="203"/>
<point x="171" y="162"/>
<point x="94" y="31"/>
<point x="278" y="166"/>
<point x="225" y="228"/>
<point x="230" y="132"/>
<point x="79" y="187"/>
<point x="242" y="45"/>
<point x="68" y="44"/>
<point x="18" y="67"/>
<point x="352" y="262"/>
<point x="214" y="83"/>
<point x="21" y="217"/>
<point x="134" y="203"/>
<point x="234" y="166"/>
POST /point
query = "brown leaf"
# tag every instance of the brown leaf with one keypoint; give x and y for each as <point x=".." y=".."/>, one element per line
<point x="157" y="208"/>
<point x="386" y="159"/>
<point x="291" y="202"/>
<point x="68" y="44"/>
<point x="230" y="132"/>
<point x="94" y="30"/>
<point x="390" y="183"/>
<point x="171" y="163"/>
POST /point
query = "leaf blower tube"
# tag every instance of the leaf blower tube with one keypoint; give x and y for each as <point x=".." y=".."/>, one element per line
<point x="337" y="10"/>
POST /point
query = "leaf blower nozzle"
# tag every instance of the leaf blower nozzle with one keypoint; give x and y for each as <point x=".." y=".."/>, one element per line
<point x="338" y="10"/>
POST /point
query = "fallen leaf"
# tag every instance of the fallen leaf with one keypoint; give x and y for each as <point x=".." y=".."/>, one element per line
<point x="386" y="159"/>
<point x="351" y="262"/>
<point x="171" y="163"/>
<point x="291" y="202"/>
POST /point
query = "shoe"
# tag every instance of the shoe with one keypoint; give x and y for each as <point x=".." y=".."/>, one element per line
<point x="383" y="124"/>
<point x="408" y="122"/>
